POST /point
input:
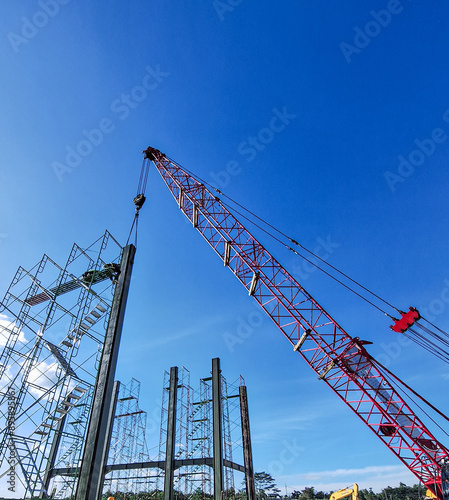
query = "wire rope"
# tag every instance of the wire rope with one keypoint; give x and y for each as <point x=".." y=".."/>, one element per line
<point x="399" y="385"/>
<point x="418" y="337"/>
<point x="292" y="240"/>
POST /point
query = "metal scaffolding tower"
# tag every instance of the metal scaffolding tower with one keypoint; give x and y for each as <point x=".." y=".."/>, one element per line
<point x="128" y="445"/>
<point x="53" y="321"/>
<point x="199" y="439"/>
<point x="68" y="429"/>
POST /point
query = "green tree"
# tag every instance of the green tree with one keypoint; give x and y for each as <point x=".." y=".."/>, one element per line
<point x="263" y="483"/>
<point x="367" y="494"/>
<point x="308" y="493"/>
<point x="401" y="492"/>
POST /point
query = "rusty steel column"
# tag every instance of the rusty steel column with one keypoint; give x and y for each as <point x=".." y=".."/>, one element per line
<point x="247" y="450"/>
<point x="92" y="464"/>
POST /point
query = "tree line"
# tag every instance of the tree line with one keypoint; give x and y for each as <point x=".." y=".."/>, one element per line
<point x="401" y="492"/>
<point x="266" y="488"/>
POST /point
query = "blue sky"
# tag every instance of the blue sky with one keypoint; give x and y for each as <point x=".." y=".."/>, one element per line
<point x="359" y="170"/>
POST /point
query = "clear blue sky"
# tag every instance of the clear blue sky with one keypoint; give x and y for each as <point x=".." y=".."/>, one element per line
<point x="361" y="164"/>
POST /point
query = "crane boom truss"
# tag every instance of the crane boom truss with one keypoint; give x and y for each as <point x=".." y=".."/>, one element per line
<point x="340" y="360"/>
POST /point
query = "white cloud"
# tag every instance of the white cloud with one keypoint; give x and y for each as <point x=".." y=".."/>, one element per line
<point x="371" y="469"/>
<point x="6" y="326"/>
<point x="43" y="375"/>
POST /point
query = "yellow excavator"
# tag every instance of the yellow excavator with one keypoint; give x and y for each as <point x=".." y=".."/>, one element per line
<point x="346" y="492"/>
<point x="354" y="493"/>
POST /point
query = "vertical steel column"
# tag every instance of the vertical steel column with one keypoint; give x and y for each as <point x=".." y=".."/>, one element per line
<point x="217" y="437"/>
<point x="52" y="457"/>
<point x="91" y="472"/>
<point x="107" y="441"/>
<point x="171" y="434"/>
<point x="247" y="450"/>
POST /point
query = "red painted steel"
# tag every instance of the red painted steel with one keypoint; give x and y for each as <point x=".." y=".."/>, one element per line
<point x="340" y="360"/>
<point x="407" y="319"/>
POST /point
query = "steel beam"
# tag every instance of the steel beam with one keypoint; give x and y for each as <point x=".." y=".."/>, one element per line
<point x="92" y="463"/>
<point x="247" y="450"/>
<point x="171" y="434"/>
<point x="185" y="462"/>
<point x="217" y="434"/>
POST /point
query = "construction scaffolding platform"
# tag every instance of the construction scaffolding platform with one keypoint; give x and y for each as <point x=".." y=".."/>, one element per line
<point x="53" y="320"/>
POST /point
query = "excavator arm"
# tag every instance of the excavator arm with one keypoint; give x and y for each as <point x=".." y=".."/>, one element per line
<point x="339" y="360"/>
<point x="346" y="492"/>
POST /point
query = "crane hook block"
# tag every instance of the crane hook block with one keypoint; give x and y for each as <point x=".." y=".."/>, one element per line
<point x="139" y="200"/>
<point x="407" y="320"/>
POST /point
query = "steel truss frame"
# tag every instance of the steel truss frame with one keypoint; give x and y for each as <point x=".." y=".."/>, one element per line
<point x="52" y="324"/>
<point x="195" y="458"/>
<point x="128" y="443"/>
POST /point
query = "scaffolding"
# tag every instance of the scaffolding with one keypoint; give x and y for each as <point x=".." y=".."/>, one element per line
<point x="67" y="428"/>
<point x="195" y="437"/>
<point x="128" y="446"/>
<point x="52" y="326"/>
<point x="183" y="442"/>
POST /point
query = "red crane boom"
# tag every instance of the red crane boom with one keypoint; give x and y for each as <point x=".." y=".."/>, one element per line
<point x="340" y="361"/>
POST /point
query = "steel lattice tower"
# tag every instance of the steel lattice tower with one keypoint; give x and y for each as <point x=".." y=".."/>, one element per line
<point x="128" y="444"/>
<point x="52" y="326"/>
<point x="60" y="327"/>
<point x="195" y="437"/>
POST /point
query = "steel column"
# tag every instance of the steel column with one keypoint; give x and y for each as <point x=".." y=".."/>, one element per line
<point x="52" y="457"/>
<point x="92" y="463"/>
<point x="217" y="434"/>
<point x="247" y="450"/>
<point x="107" y="441"/>
<point x="171" y="435"/>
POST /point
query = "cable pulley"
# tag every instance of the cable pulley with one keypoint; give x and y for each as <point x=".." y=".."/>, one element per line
<point x="407" y="320"/>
